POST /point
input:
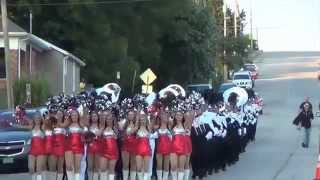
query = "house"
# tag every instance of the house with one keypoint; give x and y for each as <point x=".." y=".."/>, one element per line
<point x="46" y="61"/>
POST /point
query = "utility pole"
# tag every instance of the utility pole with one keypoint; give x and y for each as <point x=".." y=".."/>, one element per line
<point x="225" y="68"/>
<point x="30" y="46"/>
<point x="251" y="27"/>
<point x="6" y="52"/>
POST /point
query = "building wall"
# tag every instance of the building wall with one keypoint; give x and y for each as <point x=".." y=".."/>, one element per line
<point x="47" y="67"/>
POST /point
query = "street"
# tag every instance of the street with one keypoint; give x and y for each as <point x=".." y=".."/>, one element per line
<point x="285" y="80"/>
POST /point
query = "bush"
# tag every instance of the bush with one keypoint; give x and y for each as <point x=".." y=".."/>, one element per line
<point x="39" y="91"/>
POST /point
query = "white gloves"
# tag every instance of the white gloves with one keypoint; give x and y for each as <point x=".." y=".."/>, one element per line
<point x="209" y="135"/>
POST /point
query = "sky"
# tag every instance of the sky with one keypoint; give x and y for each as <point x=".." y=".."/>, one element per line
<point x="285" y="25"/>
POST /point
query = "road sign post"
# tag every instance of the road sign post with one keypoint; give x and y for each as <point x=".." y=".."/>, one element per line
<point x="147" y="77"/>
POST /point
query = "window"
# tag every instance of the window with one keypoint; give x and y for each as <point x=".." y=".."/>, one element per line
<point x="2" y="64"/>
<point x="241" y="77"/>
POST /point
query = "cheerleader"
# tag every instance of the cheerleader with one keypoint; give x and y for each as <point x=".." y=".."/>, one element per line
<point x="36" y="158"/>
<point x="143" y="149"/>
<point x="178" y="153"/>
<point x="128" y="149"/>
<point x="59" y="136"/>
<point x="50" y="162"/>
<point x="188" y="116"/>
<point x="163" y="147"/>
<point x="110" y="151"/>
<point x="94" y="147"/>
<point x="74" y="146"/>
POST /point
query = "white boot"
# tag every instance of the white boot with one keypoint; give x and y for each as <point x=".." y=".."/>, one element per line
<point x="39" y="176"/>
<point x="180" y="175"/>
<point x="125" y="174"/>
<point x="146" y="176"/>
<point x="174" y="175"/>
<point x="52" y="175"/>
<point x="111" y="177"/>
<point x="165" y="175"/>
<point x="34" y="177"/>
<point x="186" y="174"/>
<point x="140" y="175"/>
<point x="133" y="175"/>
<point x="70" y="175"/>
<point x="90" y="175"/>
<point x="95" y="176"/>
<point x="103" y="175"/>
<point x="59" y="176"/>
<point x="159" y="174"/>
<point x="76" y="176"/>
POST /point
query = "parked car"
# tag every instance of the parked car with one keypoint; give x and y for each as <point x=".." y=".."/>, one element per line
<point x="200" y="88"/>
<point x="243" y="79"/>
<point x="225" y="86"/>
<point x="15" y="142"/>
<point x="253" y="69"/>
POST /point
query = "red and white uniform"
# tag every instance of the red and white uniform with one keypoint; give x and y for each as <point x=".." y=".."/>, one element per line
<point x="109" y="145"/>
<point x="164" y="142"/>
<point x="95" y="145"/>
<point x="37" y="143"/>
<point x="48" y="145"/>
<point x="59" y="141"/>
<point x="74" y="142"/>
<point x="143" y="145"/>
<point x="188" y="142"/>
<point x="130" y="141"/>
<point x="179" y="141"/>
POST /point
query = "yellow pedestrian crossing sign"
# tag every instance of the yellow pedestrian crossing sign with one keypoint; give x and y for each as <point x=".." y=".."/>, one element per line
<point x="148" y="77"/>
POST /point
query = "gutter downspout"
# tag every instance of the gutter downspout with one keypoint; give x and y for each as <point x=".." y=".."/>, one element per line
<point x="64" y="60"/>
<point x="19" y="57"/>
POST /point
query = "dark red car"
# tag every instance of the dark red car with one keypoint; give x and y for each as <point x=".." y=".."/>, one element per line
<point x="253" y="69"/>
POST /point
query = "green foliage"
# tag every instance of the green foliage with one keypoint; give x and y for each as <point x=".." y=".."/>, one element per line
<point x="39" y="91"/>
<point x="179" y="40"/>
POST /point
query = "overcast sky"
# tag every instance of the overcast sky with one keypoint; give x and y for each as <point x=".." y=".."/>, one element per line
<point x="285" y="25"/>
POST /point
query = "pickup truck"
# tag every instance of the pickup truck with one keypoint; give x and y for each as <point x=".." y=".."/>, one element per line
<point x="14" y="143"/>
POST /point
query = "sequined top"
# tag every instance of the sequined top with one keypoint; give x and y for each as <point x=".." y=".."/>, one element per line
<point x="59" y="131"/>
<point x="164" y="132"/>
<point x="37" y="133"/>
<point x="75" y="130"/>
<point x="109" y="133"/>
<point x="179" y="131"/>
<point x="48" y="132"/>
<point x="143" y="134"/>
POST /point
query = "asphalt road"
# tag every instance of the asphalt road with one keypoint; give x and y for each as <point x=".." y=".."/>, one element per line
<point x="286" y="78"/>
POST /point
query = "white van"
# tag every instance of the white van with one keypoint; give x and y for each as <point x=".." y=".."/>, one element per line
<point x="243" y="79"/>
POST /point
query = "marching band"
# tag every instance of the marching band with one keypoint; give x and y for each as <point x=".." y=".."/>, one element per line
<point x="169" y="135"/>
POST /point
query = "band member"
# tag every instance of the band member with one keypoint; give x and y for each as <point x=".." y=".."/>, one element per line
<point x="178" y="153"/>
<point x="94" y="147"/>
<point x="129" y="147"/>
<point x="188" y="116"/>
<point x="36" y="158"/>
<point x="163" y="147"/>
<point x="143" y="149"/>
<point x="59" y="136"/>
<point x="50" y="162"/>
<point x="110" y="151"/>
<point x="74" y="145"/>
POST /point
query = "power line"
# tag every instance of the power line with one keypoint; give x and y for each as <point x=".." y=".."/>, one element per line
<point x="78" y="3"/>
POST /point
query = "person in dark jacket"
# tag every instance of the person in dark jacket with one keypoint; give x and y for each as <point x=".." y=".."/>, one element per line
<point x="304" y="120"/>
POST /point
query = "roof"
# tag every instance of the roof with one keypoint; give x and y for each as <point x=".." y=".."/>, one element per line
<point x="45" y="45"/>
<point x="13" y="28"/>
<point x="242" y="72"/>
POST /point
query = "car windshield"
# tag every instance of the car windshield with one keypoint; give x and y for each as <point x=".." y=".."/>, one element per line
<point x="241" y="76"/>
<point x="249" y="68"/>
